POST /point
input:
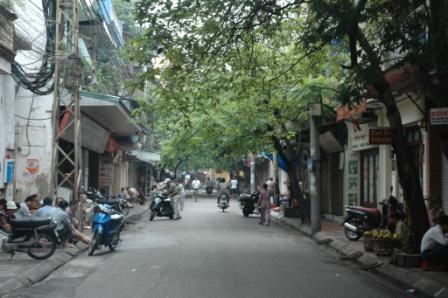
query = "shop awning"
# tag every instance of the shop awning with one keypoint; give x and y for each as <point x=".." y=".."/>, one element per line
<point x="101" y="116"/>
<point x="109" y="112"/>
<point x="146" y="156"/>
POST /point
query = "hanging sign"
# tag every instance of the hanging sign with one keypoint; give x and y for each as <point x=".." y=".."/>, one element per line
<point x="439" y="116"/>
<point x="380" y="136"/>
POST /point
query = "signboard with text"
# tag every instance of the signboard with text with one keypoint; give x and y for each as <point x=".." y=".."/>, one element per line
<point x="439" y="116"/>
<point x="380" y="136"/>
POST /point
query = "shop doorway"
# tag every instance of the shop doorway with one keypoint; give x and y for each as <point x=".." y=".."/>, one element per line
<point x="369" y="177"/>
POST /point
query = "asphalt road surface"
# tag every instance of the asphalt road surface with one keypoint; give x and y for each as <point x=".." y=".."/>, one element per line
<point x="211" y="254"/>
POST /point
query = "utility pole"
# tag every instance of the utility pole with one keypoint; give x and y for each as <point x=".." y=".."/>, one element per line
<point x="276" y="186"/>
<point x="67" y="111"/>
<point x="314" y="167"/>
<point x="252" y="173"/>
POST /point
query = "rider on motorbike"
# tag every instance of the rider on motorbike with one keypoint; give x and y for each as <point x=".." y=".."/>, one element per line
<point x="223" y="190"/>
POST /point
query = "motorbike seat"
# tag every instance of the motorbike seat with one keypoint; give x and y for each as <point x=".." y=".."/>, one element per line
<point x="30" y="223"/>
<point x="372" y="211"/>
<point x="109" y="202"/>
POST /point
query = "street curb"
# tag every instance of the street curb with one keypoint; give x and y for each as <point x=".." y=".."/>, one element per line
<point x="405" y="277"/>
<point x="41" y="270"/>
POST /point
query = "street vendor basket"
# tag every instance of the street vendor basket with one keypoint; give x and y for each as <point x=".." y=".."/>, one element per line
<point x="368" y="243"/>
<point x="383" y="247"/>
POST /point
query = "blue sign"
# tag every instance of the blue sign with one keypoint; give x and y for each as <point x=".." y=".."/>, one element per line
<point x="9" y="170"/>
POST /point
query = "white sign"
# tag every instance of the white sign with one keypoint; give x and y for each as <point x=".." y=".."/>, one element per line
<point x="439" y="116"/>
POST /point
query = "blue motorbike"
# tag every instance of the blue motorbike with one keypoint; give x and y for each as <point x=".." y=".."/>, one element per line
<point x="106" y="228"/>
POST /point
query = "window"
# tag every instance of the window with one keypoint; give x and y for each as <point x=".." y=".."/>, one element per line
<point x="369" y="177"/>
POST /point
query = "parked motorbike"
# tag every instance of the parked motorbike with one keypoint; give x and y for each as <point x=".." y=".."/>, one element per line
<point x="34" y="236"/>
<point x="161" y="206"/>
<point x="360" y="219"/>
<point x="106" y="228"/>
<point x="118" y="204"/>
<point x="248" y="202"/>
<point x="209" y="189"/>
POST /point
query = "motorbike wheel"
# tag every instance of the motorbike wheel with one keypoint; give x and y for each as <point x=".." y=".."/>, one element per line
<point x="43" y="247"/>
<point x="352" y="236"/>
<point x="125" y="211"/>
<point x="114" y="243"/>
<point x="94" y="244"/>
<point x="246" y="212"/>
<point x="153" y="214"/>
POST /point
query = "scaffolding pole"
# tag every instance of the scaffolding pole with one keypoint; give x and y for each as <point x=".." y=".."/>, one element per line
<point x="66" y="116"/>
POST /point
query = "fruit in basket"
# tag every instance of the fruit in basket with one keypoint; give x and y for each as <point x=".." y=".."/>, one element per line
<point x="382" y="234"/>
<point x="368" y="234"/>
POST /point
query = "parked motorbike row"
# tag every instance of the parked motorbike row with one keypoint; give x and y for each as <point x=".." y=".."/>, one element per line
<point x="38" y="237"/>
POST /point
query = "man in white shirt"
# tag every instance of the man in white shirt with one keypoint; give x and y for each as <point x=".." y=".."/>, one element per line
<point x="196" y="184"/>
<point x="234" y="186"/>
<point x="434" y="245"/>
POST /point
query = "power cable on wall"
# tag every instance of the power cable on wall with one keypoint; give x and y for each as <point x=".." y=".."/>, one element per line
<point x="26" y="129"/>
<point x="37" y="82"/>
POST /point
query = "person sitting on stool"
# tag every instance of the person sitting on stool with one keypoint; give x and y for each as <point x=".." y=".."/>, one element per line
<point x="434" y="245"/>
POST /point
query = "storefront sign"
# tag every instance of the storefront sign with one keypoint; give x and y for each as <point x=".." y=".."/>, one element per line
<point x="105" y="173"/>
<point x="380" y="136"/>
<point x="439" y="116"/>
<point x="360" y="139"/>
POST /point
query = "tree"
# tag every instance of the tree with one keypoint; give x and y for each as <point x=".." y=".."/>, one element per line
<point x="265" y="83"/>
<point x="369" y="30"/>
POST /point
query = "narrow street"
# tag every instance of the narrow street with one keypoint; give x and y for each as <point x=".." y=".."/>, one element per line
<point x="211" y="254"/>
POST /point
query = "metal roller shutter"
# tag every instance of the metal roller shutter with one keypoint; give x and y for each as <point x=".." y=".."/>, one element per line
<point x="444" y="183"/>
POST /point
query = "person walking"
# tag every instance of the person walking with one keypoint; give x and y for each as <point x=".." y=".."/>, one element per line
<point x="234" y="186"/>
<point x="264" y="201"/>
<point x="196" y="184"/>
<point x="181" y="194"/>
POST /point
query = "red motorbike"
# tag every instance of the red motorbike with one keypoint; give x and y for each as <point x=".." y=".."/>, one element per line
<point x="360" y="219"/>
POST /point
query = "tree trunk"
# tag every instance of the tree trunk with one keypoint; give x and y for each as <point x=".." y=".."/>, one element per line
<point x="294" y="188"/>
<point x="417" y="218"/>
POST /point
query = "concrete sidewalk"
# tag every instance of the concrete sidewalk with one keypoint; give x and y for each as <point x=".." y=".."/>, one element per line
<point x="429" y="283"/>
<point x="23" y="271"/>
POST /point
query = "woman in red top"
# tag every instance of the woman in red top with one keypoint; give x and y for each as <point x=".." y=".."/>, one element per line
<point x="264" y="201"/>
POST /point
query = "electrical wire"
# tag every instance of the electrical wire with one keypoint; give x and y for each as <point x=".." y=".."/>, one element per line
<point x="37" y="82"/>
<point x="33" y="119"/>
